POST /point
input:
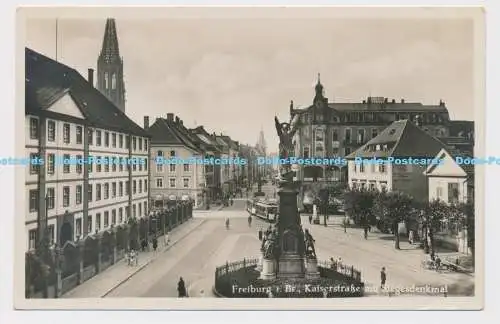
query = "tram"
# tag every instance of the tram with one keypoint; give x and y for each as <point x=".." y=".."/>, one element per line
<point x="265" y="210"/>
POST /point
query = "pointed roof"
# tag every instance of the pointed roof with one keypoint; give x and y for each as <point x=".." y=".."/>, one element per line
<point x="110" y="52"/>
<point x="400" y="139"/>
<point x="166" y="132"/>
<point x="47" y="81"/>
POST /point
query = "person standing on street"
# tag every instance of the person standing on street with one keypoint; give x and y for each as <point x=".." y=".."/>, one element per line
<point x="181" y="288"/>
<point x="383" y="278"/>
<point x="155" y="243"/>
<point x="166" y="238"/>
<point x="310" y="219"/>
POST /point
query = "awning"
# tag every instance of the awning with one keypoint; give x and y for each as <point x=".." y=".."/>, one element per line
<point x="185" y="197"/>
<point x="172" y="197"/>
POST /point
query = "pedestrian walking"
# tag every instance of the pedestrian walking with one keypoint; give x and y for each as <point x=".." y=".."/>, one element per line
<point x="181" y="288"/>
<point x="366" y="232"/>
<point x="166" y="238"/>
<point x="144" y="244"/>
<point x="260" y="234"/>
<point x="411" y="237"/>
<point x="155" y="243"/>
<point x="383" y="278"/>
<point x="310" y="219"/>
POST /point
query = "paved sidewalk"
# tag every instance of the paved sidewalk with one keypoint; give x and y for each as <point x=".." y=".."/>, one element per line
<point x="203" y="211"/>
<point x="106" y="281"/>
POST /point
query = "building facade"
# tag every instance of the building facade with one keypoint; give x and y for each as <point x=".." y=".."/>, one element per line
<point x="174" y="181"/>
<point x="401" y="140"/>
<point x="448" y="182"/>
<point x="336" y="129"/>
<point x="71" y="128"/>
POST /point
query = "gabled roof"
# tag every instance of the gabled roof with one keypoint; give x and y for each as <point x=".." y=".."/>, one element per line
<point x="400" y="139"/>
<point x="205" y="138"/>
<point x="46" y="81"/>
<point x="444" y="155"/>
<point x="165" y="132"/>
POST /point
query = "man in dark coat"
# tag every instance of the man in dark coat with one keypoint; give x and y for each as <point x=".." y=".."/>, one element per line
<point x="181" y="288"/>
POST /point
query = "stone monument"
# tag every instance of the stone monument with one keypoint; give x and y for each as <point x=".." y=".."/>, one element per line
<point x="287" y="251"/>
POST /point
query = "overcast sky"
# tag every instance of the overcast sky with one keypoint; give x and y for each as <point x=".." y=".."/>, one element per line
<point x="233" y="76"/>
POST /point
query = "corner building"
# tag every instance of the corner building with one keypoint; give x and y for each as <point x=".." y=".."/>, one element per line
<point x="66" y="117"/>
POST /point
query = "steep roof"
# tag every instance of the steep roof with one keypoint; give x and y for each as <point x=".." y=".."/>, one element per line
<point x="400" y="139"/>
<point x="165" y="132"/>
<point x="205" y="138"/>
<point x="46" y="81"/>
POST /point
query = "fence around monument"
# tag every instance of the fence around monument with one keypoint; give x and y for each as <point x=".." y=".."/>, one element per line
<point x="243" y="273"/>
<point x="78" y="261"/>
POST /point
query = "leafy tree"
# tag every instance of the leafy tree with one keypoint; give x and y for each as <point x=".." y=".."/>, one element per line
<point x="358" y="203"/>
<point x="434" y="214"/>
<point x="393" y="208"/>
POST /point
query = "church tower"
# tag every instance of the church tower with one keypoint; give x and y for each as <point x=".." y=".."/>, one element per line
<point x="110" y="67"/>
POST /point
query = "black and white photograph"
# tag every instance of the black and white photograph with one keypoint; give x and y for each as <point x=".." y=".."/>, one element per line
<point x="250" y="158"/>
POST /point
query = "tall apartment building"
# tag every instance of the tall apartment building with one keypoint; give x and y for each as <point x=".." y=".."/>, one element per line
<point x="67" y="118"/>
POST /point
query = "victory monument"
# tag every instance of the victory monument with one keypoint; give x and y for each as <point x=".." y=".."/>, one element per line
<point x="288" y="263"/>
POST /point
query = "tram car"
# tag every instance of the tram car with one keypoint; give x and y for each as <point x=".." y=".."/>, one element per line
<point x="263" y="209"/>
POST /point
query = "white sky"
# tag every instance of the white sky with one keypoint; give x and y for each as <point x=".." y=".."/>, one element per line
<point x="234" y="75"/>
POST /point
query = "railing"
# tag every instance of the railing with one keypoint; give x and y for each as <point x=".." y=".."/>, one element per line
<point x="338" y="267"/>
<point x="75" y="262"/>
<point x="232" y="275"/>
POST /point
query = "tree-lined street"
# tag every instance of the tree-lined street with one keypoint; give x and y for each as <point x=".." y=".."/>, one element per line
<point x="195" y="257"/>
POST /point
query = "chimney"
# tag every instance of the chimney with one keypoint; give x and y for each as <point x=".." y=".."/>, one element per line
<point x="91" y="77"/>
<point x="441" y="103"/>
<point x="170" y="117"/>
<point x="393" y="101"/>
<point x="402" y="101"/>
<point x="146" y="122"/>
<point x="386" y="100"/>
<point x="181" y="122"/>
<point x="176" y="119"/>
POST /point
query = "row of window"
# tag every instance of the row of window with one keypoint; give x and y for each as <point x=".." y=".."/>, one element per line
<point x="172" y="182"/>
<point x="373" y="167"/>
<point x="110" y="138"/>
<point x="172" y="168"/>
<point x="360" y="139"/>
<point x="102" y="191"/>
<point x="117" y="217"/>
<point x="68" y="165"/>
<point x="306" y="152"/>
<point x="378" y="116"/>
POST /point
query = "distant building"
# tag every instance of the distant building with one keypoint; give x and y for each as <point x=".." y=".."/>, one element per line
<point x="211" y="149"/>
<point x="331" y="129"/>
<point x="176" y="181"/>
<point x="110" y="67"/>
<point x="67" y="118"/>
<point x="401" y="140"/>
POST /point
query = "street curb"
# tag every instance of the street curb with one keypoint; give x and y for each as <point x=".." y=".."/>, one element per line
<point x="208" y="211"/>
<point x="151" y="260"/>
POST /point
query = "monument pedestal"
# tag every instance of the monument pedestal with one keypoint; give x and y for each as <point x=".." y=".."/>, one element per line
<point x="259" y="265"/>
<point x="312" y="268"/>
<point x="268" y="269"/>
<point x="291" y="266"/>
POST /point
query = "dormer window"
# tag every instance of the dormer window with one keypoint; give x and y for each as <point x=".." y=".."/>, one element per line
<point x="377" y="148"/>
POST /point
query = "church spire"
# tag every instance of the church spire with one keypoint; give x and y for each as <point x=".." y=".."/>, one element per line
<point x="110" y="52"/>
<point x="110" y="67"/>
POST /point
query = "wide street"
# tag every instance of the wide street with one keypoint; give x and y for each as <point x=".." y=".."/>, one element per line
<point x="210" y="245"/>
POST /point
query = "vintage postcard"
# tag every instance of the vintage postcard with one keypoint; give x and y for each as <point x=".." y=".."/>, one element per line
<point x="256" y="158"/>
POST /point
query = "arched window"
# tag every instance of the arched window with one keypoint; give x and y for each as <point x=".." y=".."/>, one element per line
<point x="172" y="153"/>
<point x="113" y="81"/>
<point x="159" y="153"/>
<point x="106" y="80"/>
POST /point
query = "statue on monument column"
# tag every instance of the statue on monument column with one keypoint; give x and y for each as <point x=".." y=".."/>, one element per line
<point x="270" y="246"/>
<point x="310" y="250"/>
<point x="286" y="131"/>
